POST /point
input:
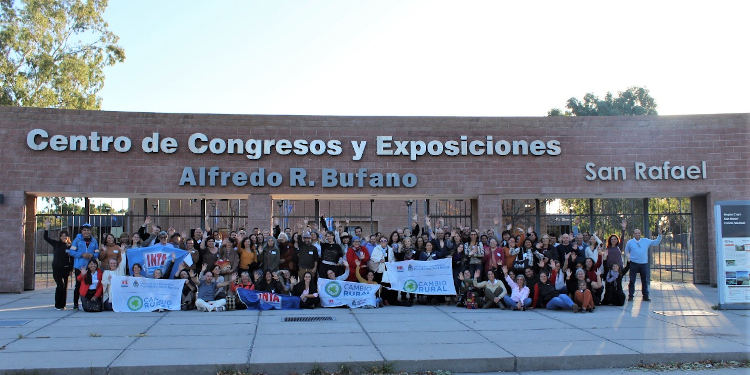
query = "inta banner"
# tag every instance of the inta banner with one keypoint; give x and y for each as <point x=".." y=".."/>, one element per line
<point x="334" y="293"/>
<point x="255" y="300"/>
<point x="156" y="257"/>
<point x="433" y="277"/>
<point x="139" y="294"/>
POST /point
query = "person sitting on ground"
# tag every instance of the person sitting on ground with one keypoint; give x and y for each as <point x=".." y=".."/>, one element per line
<point x="91" y="289"/>
<point x="307" y="291"/>
<point x="271" y="282"/>
<point x="370" y="279"/>
<point x="207" y="292"/>
<point x="593" y="278"/>
<point x="613" y="292"/>
<point x="245" y="282"/>
<point x="189" y="289"/>
<point x="547" y="296"/>
<point x="331" y="274"/>
<point x="583" y="298"/>
<point x="466" y="285"/>
<point x="493" y="289"/>
<point x="519" y="298"/>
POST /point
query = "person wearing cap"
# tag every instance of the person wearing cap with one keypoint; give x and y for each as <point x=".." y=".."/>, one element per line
<point x="83" y="249"/>
<point x="356" y="253"/>
<point x="307" y="256"/>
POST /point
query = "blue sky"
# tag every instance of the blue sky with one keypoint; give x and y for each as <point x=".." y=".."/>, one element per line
<point x="439" y="58"/>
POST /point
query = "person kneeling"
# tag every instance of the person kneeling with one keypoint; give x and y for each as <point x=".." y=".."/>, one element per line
<point x="91" y="287"/>
<point x="207" y="292"/>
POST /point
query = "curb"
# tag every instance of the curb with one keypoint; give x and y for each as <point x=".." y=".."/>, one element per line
<point x="455" y="365"/>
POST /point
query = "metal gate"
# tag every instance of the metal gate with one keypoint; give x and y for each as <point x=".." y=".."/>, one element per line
<point x="223" y="215"/>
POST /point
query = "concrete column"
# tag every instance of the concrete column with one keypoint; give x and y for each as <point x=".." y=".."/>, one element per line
<point x="29" y="261"/>
<point x="259" y="211"/>
<point x="12" y="235"/>
<point x="489" y="207"/>
<point x="701" y="245"/>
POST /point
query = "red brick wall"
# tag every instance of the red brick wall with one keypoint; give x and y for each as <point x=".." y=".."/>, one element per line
<point x="721" y="140"/>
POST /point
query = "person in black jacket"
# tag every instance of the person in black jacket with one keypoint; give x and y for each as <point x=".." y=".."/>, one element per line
<point x="307" y="290"/>
<point x="270" y="283"/>
<point x="62" y="264"/>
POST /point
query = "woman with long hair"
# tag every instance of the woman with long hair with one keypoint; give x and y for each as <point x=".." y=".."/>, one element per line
<point x="307" y="291"/>
<point x="62" y="264"/>
<point x="91" y="287"/>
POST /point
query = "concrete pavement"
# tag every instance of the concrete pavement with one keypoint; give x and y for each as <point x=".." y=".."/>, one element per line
<point x="37" y="339"/>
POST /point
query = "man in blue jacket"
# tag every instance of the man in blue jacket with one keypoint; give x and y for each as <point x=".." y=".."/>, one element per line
<point x="637" y="250"/>
<point x="83" y="248"/>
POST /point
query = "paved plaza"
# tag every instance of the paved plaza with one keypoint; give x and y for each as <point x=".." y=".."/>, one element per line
<point x="34" y="338"/>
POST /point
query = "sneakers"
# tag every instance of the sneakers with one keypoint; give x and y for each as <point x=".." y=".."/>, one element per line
<point x="201" y="308"/>
<point x="630" y="298"/>
<point x="576" y="308"/>
<point x="590" y="310"/>
<point x="221" y="308"/>
<point x="647" y="299"/>
<point x="75" y="307"/>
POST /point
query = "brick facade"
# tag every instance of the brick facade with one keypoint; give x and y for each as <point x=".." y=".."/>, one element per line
<point x="721" y="140"/>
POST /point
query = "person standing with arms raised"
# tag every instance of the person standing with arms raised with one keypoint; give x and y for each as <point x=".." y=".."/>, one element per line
<point x="637" y="251"/>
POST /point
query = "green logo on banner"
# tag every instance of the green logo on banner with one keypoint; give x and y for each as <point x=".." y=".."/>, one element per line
<point x="135" y="303"/>
<point x="410" y="286"/>
<point x="333" y="289"/>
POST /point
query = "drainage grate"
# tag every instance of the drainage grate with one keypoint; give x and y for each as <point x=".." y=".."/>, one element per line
<point x="307" y="318"/>
<point x="13" y="323"/>
<point x="685" y="313"/>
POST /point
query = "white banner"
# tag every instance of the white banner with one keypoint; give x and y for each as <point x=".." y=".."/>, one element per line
<point x="433" y="277"/>
<point x="335" y="293"/>
<point x="138" y="294"/>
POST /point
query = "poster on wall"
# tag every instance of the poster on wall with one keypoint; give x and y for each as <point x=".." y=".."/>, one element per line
<point x="732" y="221"/>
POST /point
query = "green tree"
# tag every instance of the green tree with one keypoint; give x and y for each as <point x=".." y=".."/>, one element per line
<point x="634" y="101"/>
<point x="53" y="52"/>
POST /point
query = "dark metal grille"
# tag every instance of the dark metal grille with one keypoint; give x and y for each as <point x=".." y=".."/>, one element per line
<point x="307" y="318"/>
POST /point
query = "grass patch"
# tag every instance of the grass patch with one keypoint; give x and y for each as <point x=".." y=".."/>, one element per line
<point x="691" y="366"/>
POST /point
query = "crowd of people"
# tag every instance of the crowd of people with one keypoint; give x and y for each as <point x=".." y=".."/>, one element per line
<point x="501" y="267"/>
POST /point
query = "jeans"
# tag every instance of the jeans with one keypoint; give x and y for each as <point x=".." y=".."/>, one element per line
<point x="561" y="302"/>
<point x="644" y="270"/>
<point x="512" y="304"/>
<point x="61" y="277"/>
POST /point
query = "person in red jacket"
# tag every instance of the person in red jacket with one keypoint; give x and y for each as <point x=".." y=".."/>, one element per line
<point x="91" y="287"/>
<point x="357" y="252"/>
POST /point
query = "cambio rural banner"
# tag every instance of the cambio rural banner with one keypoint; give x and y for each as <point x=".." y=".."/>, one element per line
<point x="433" y="277"/>
<point x="335" y="293"/>
<point x="267" y="301"/>
<point x="156" y="257"/>
<point x="138" y="294"/>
